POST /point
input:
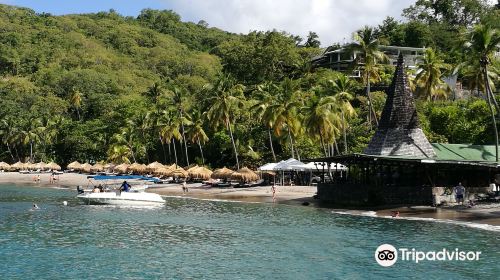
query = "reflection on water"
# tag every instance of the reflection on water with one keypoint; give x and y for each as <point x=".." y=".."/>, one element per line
<point x="212" y="239"/>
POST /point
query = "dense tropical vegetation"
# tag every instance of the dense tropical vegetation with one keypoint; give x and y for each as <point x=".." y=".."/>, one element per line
<point x="102" y="86"/>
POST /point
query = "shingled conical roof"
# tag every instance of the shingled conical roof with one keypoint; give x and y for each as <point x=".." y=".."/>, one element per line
<point x="399" y="132"/>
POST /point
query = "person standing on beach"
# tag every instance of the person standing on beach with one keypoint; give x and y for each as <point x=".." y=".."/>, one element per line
<point x="459" y="193"/>
<point x="184" y="188"/>
<point x="273" y="189"/>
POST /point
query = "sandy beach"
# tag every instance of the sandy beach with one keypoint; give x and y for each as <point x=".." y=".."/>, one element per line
<point x="284" y="194"/>
<point x="488" y="214"/>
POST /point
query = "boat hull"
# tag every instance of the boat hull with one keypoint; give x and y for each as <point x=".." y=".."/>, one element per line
<point x="123" y="198"/>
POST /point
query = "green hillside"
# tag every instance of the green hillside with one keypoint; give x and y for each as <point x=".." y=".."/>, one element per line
<point x="103" y="87"/>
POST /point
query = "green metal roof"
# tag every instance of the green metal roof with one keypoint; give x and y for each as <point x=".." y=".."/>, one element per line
<point x="461" y="154"/>
<point x="464" y="152"/>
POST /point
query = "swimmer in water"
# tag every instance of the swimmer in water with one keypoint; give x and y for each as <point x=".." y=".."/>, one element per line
<point x="35" y="207"/>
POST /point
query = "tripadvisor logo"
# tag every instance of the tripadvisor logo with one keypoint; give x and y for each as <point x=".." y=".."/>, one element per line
<point x="387" y="255"/>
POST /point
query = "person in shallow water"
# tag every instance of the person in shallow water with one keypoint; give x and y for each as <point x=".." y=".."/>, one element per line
<point x="125" y="187"/>
<point x="35" y="207"/>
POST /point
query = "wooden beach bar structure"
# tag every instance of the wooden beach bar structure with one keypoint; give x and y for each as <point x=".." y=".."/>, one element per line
<point x="401" y="167"/>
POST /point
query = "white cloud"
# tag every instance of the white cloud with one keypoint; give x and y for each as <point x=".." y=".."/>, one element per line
<point x="333" y="20"/>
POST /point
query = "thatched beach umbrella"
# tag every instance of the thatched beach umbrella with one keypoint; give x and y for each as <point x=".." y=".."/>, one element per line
<point x="39" y="166"/>
<point x="86" y="167"/>
<point x="141" y="169"/>
<point x="245" y="174"/>
<point x="162" y="171"/>
<point x="4" y="166"/>
<point x="53" y="166"/>
<point x="179" y="172"/>
<point x="17" y="166"/>
<point x="222" y="173"/>
<point x="153" y="166"/>
<point x="122" y="168"/>
<point x="192" y="168"/>
<point x="200" y="173"/>
<point x="109" y="166"/>
<point x="97" y="168"/>
<point x="29" y="166"/>
<point x="75" y="165"/>
<point x="137" y="168"/>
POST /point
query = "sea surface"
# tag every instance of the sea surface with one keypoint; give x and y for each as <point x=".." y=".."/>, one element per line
<point x="199" y="239"/>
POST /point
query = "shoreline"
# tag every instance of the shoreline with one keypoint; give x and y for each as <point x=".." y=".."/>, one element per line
<point x="483" y="214"/>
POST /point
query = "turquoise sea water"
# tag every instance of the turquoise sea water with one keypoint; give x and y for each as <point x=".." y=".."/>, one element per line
<point x="195" y="239"/>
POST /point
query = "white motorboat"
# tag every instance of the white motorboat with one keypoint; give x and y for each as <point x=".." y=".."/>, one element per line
<point x="136" y="196"/>
<point x="121" y="198"/>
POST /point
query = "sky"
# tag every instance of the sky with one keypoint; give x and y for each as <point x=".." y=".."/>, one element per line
<point x="333" y="20"/>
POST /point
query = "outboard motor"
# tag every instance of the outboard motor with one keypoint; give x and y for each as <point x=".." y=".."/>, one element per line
<point x="79" y="190"/>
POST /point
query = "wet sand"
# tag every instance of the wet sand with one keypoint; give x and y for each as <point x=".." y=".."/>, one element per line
<point x="296" y="195"/>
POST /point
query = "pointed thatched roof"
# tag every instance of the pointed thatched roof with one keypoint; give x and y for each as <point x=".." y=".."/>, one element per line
<point x="399" y="132"/>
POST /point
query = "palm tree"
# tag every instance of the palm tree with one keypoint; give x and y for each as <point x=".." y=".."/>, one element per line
<point x="228" y="98"/>
<point x="366" y="45"/>
<point x="320" y="120"/>
<point x="154" y="92"/>
<point x="429" y="84"/>
<point x="341" y="88"/>
<point x="30" y="134"/>
<point x="169" y="130"/>
<point x="283" y="111"/>
<point x="119" y="153"/>
<point x="265" y="93"/>
<point x="142" y="123"/>
<point x="473" y="76"/>
<point x="196" y="132"/>
<point x="7" y="134"/>
<point x="48" y="131"/>
<point x="127" y="137"/>
<point x="484" y="43"/>
<point x="76" y="101"/>
<point x="177" y="96"/>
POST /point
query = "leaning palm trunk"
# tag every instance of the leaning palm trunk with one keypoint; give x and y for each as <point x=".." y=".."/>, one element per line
<point x="291" y="142"/>
<point x="296" y="150"/>
<point x="175" y="151"/>
<point x="184" y="139"/>
<point x="31" y="151"/>
<point x="490" y="96"/>
<point x="17" y="153"/>
<point x="487" y="87"/>
<point x="12" y="155"/>
<point x="271" y="143"/>
<point x="132" y="152"/>
<point x="323" y="144"/>
<point x="336" y="147"/>
<point x="201" y="152"/>
<point x="370" y="106"/>
<point x="344" y="131"/>
<point x="234" y="144"/>
<point x="164" y="154"/>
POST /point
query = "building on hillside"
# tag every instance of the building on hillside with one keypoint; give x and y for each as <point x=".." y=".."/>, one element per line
<point x="400" y="166"/>
<point x="341" y="59"/>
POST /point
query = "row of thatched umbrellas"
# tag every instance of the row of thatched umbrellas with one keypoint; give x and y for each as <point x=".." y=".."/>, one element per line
<point x="155" y="168"/>
<point x="29" y="166"/>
